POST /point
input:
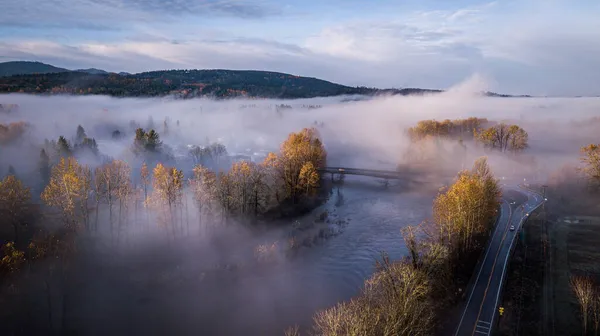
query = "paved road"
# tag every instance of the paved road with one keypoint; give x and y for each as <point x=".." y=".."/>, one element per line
<point x="481" y="310"/>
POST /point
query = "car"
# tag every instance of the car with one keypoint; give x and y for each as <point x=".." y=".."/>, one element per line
<point x="512" y="228"/>
<point x="341" y="169"/>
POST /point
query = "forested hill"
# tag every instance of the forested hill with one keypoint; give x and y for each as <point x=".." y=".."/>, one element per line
<point x="24" y="67"/>
<point x="187" y="84"/>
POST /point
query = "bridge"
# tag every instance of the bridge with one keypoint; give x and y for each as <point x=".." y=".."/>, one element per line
<point x="384" y="174"/>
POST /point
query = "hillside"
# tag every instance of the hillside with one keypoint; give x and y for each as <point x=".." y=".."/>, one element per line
<point x="27" y="68"/>
<point x="182" y="83"/>
<point x="47" y="79"/>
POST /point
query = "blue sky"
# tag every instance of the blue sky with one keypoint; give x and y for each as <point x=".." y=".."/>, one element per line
<point x="542" y="47"/>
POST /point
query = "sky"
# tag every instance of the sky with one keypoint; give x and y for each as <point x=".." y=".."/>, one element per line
<point x="538" y="47"/>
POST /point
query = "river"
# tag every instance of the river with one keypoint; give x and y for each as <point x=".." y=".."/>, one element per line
<point x="331" y="271"/>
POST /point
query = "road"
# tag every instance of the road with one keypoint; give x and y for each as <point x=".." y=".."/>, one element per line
<point x="481" y="310"/>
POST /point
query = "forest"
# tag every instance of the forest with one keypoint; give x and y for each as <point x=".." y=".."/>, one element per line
<point x="81" y="212"/>
<point x="111" y="202"/>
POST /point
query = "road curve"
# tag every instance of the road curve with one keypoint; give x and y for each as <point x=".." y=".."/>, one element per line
<point x="480" y="312"/>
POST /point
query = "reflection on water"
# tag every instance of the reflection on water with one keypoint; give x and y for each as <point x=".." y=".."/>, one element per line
<point x="336" y="269"/>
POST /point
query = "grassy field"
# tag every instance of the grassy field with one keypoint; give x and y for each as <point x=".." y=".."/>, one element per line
<point x="538" y="299"/>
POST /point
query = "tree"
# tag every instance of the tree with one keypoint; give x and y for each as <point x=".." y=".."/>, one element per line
<point x="80" y="135"/>
<point x="13" y="258"/>
<point x="44" y="166"/>
<point x="396" y="301"/>
<point x="204" y="190"/>
<point x="165" y="126"/>
<point x="591" y="160"/>
<point x="168" y="192"/>
<point x="595" y="309"/>
<point x="146" y="141"/>
<point x="583" y="287"/>
<point x="116" y="135"/>
<point x="112" y="181"/>
<point x="14" y="204"/>
<point x="62" y="147"/>
<point x="299" y="149"/>
<point x="145" y="179"/>
<point x="504" y="138"/>
<point x="248" y="189"/>
<point x="309" y="177"/>
<point x="466" y="209"/>
<point x="87" y="145"/>
<point x="68" y="191"/>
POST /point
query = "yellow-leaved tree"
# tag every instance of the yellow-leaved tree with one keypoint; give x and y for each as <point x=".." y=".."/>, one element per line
<point x="68" y="191"/>
<point x="14" y="203"/>
<point x="113" y="185"/>
<point x="203" y="185"/>
<point x="591" y="160"/>
<point x="168" y="193"/>
<point x="298" y="150"/>
<point x="467" y="208"/>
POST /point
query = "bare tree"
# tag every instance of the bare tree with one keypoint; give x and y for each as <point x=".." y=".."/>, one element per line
<point x="583" y="287"/>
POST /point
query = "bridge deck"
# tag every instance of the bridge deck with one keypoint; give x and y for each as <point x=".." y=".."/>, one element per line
<point x="386" y="174"/>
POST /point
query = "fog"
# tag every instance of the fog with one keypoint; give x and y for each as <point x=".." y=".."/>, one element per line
<point x="111" y="294"/>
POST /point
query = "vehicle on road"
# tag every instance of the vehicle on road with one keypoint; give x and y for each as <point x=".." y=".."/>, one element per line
<point x="512" y="228"/>
<point x="341" y="169"/>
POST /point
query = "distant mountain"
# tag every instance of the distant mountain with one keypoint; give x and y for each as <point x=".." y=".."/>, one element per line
<point x="93" y="71"/>
<point x="39" y="78"/>
<point x="27" y="68"/>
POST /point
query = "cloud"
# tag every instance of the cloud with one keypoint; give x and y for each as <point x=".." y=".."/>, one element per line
<point x="117" y="14"/>
<point x="550" y="54"/>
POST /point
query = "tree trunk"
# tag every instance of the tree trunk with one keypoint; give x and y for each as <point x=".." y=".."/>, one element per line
<point x="49" y="303"/>
<point x="97" y="212"/>
<point x="16" y="229"/>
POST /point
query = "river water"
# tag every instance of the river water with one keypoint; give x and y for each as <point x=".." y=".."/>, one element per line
<point x="331" y="271"/>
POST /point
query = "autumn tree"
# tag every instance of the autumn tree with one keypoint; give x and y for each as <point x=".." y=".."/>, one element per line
<point x="112" y="183"/>
<point x="203" y="186"/>
<point x="591" y="163"/>
<point x="505" y="138"/>
<point x="9" y="133"/>
<point x="248" y="188"/>
<point x="12" y="259"/>
<point x="466" y="210"/>
<point x="145" y="182"/>
<point x="451" y="129"/>
<point x="301" y="152"/>
<point x="168" y="192"/>
<point x="68" y="190"/>
<point x="14" y="204"/>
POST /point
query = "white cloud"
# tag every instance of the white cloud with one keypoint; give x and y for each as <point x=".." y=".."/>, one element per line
<point x="550" y="53"/>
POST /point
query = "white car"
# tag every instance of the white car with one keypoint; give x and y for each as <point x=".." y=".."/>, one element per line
<point x="512" y="228"/>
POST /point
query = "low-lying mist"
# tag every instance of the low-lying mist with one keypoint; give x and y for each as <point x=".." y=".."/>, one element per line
<point x="150" y="286"/>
